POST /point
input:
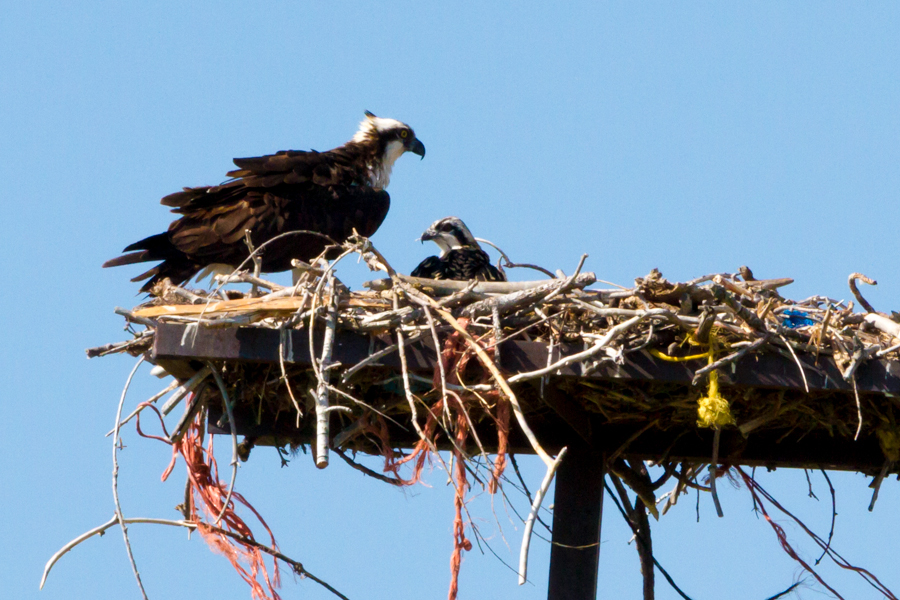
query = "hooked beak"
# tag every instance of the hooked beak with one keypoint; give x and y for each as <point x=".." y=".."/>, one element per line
<point x="429" y="234"/>
<point x="417" y="147"/>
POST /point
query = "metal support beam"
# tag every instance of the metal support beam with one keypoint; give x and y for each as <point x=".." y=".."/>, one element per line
<point x="577" y="512"/>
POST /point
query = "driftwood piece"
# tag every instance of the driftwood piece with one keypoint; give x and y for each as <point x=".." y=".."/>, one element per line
<point x="443" y="287"/>
<point x="509" y="302"/>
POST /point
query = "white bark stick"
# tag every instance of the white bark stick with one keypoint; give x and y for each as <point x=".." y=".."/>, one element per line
<point x="322" y="428"/>
<point x="532" y="515"/>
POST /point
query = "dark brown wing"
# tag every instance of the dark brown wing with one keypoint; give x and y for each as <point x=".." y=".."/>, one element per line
<point x="324" y="193"/>
<point x="328" y="215"/>
<point x="463" y="264"/>
<point x="430" y="268"/>
<point x="344" y="166"/>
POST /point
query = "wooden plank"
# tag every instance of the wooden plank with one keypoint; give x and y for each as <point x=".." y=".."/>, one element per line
<point x="181" y="353"/>
<point x="247" y="305"/>
<point x="259" y="344"/>
<point x="577" y="515"/>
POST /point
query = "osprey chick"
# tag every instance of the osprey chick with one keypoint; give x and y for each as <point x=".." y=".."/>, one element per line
<point x="330" y="193"/>
<point x="461" y="257"/>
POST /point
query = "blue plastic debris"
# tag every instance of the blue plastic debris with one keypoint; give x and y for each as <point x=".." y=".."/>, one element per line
<point x="796" y="318"/>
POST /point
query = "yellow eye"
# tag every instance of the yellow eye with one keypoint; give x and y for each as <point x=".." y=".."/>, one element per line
<point x="404" y="133"/>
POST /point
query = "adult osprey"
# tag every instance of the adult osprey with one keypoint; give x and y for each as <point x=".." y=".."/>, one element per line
<point x="331" y="193"/>
<point x="461" y="257"/>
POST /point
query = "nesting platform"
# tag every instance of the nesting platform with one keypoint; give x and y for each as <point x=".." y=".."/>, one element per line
<point x="613" y="375"/>
<point x="641" y="428"/>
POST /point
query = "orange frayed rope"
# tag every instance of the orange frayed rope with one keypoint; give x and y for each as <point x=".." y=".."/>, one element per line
<point x="203" y="476"/>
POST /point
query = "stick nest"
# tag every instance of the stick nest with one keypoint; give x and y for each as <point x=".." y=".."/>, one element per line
<point x="718" y="317"/>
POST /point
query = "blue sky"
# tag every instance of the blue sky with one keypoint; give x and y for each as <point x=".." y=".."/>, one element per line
<point x="693" y="138"/>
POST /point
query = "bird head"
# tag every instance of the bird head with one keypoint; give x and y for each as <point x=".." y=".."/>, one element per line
<point x="392" y="137"/>
<point x="449" y="233"/>
<point x="386" y="140"/>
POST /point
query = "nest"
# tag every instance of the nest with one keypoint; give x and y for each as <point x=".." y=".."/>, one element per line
<point x="716" y="319"/>
<point x="467" y="402"/>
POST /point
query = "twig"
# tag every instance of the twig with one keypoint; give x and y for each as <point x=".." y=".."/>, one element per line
<point x="535" y="507"/>
<point x="713" y="467"/>
<point x="787" y="591"/>
<point x="498" y="332"/>
<point x="512" y="459"/>
<point x="259" y="248"/>
<point x="134" y="318"/>
<point x="367" y="470"/>
<point x="248" y="278"/>
<point x="736" y="356"/>
<point x="640" y="540"/>
<point x="876" y="483"/>
<point x="811" y="494"/>
<point x="234" y="443"/>
<point x="833" y="515"/>
<point x="84" y="536"/>
<point x="851" y="281"/>
<point x="893" y="348"/>
<point x="502" y="382"/>
<point x="796" y="360"/>
<point x="190" y="412"/>
<point x="640" y="526"/>
<point x="407" y="390"/>
<point x="143" y="405"/>
<point x="284" y="336"/>
<point x="569" y="281"/>
<point x="680" y="321"/>
<point x="755" y="488"/>
<point x="508" y="302"/>
<point x="823" y="331"/>
<point x="184" y="389"/>
<point x="118" y="346"/>
<point x="375" y="357"/>
<point x="115" y="479"/>
<point x="297" y="566"/>
<point x="743" y="313"/>
<point x="447" y="286"/>
<point x="734" y="287"/>
<point x="584" y="355"/>
<point x="883" y="324"/>
<point x="442" y="371"/>
<point x="257" y="261"/>
<point x="512" y="265"/>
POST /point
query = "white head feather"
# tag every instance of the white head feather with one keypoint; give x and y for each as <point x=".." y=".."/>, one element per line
<point x="369" y="129"/>
<point x="450" y="233"/>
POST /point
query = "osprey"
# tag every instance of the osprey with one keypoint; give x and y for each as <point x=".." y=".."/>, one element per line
<point x="461" y="257"/>
<point x="329" y="193"/>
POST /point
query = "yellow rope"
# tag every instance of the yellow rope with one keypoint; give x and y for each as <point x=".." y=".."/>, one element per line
<point x="662" y="356"/>
<point x="713" y="409"/>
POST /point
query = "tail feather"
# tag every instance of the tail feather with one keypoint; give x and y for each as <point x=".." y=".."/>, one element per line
<point x="158" y="245"/>
<point x="175" y="265"/>
<point x="129" y="259"/>
<point x="147" y="274"/>
<point x="155" y="247"/>
<point x="177" y="273"/>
